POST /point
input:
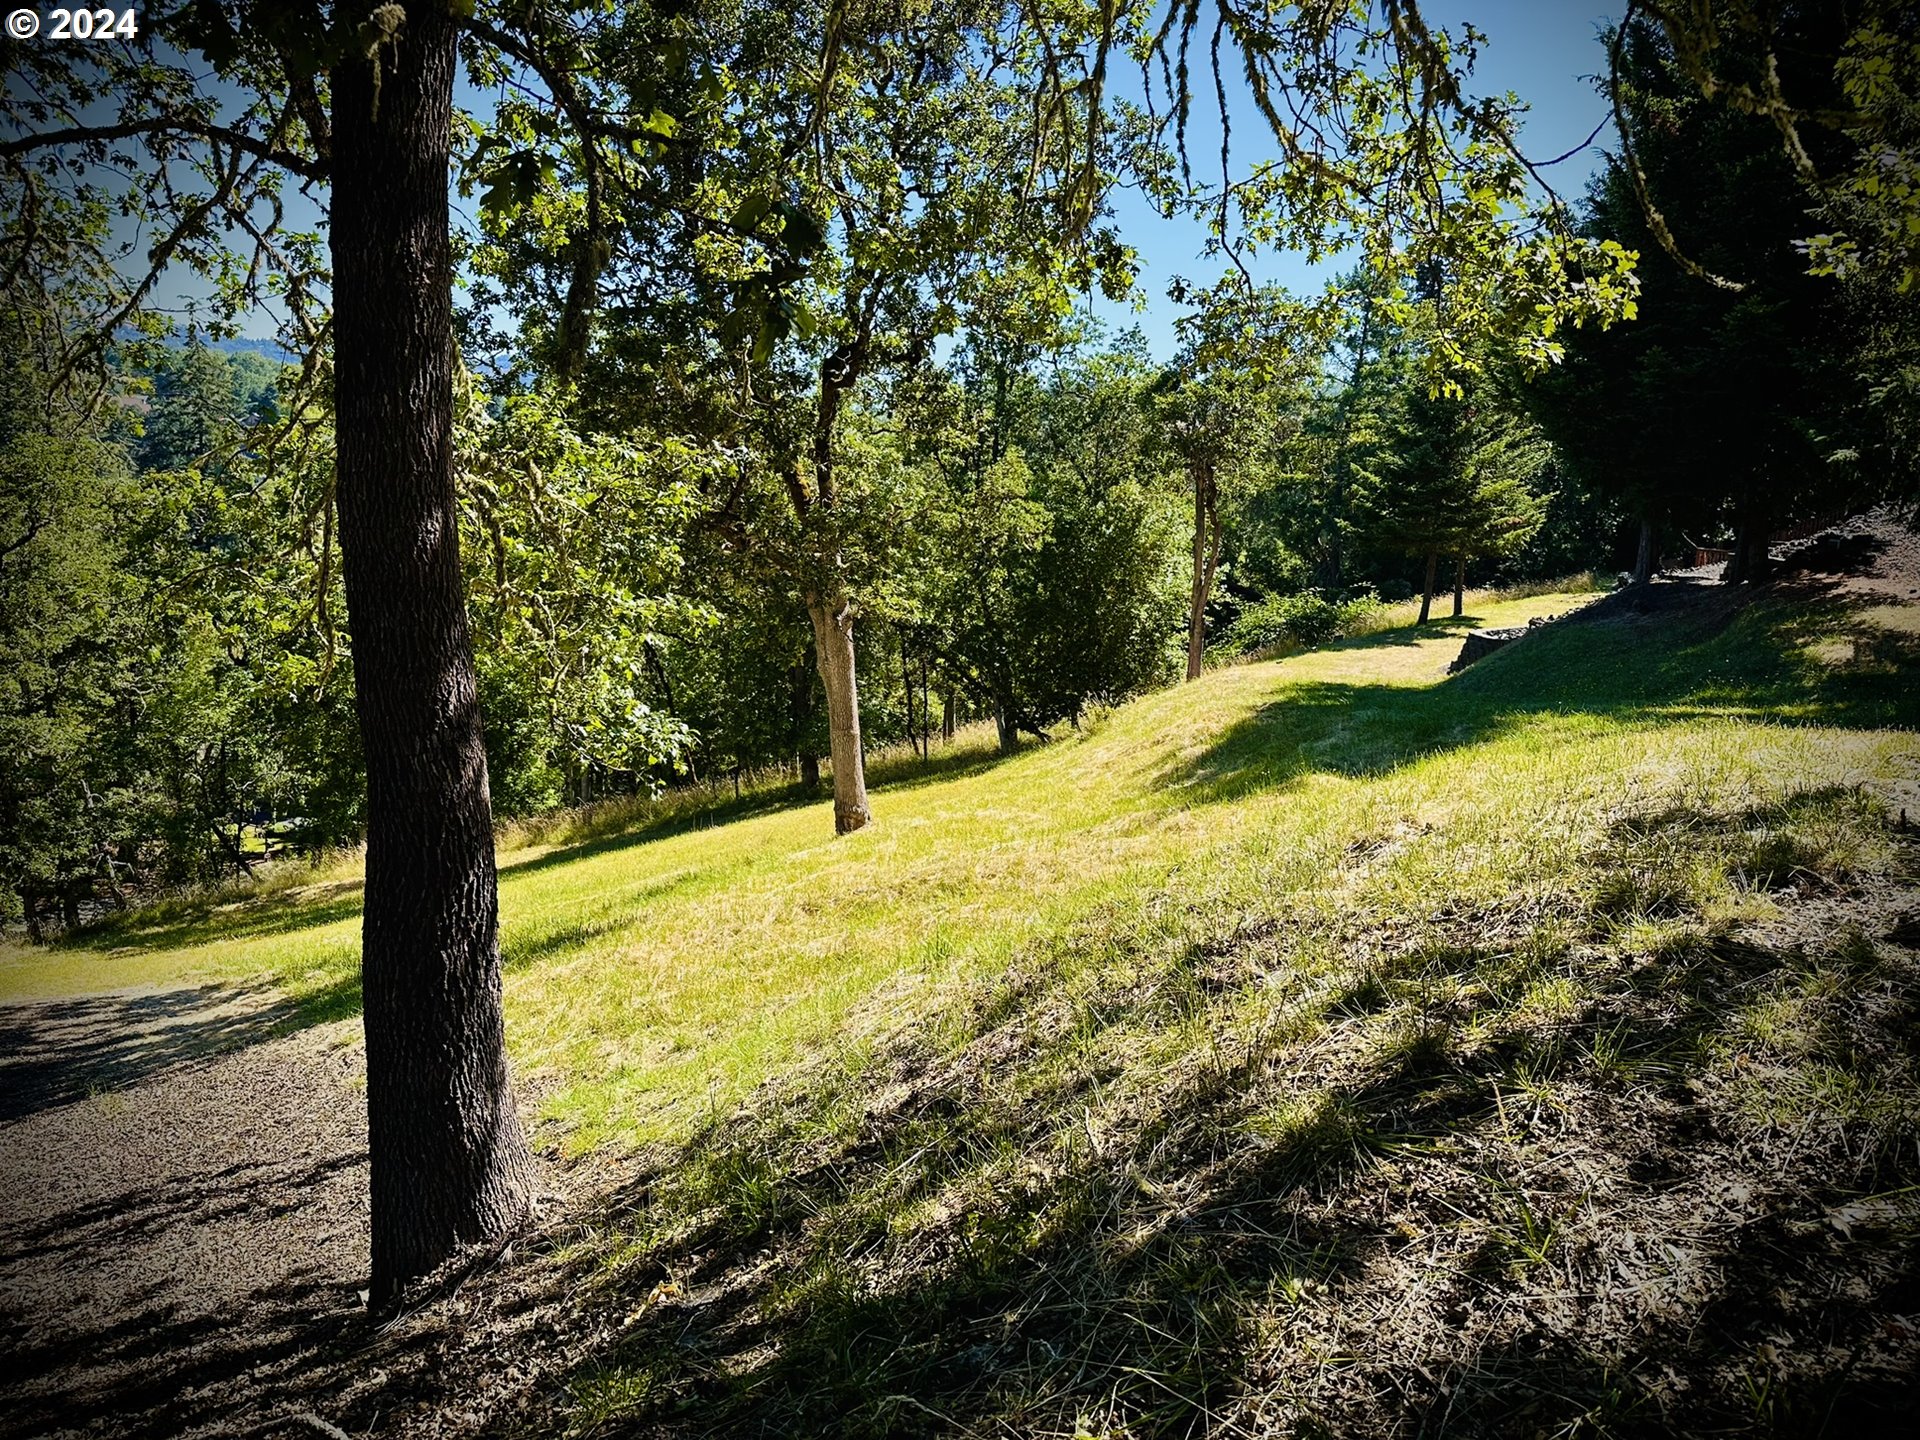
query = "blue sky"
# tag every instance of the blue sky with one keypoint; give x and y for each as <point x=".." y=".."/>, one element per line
<point x="1539" y="49"/>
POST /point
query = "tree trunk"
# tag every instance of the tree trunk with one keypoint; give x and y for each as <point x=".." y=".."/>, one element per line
<point x="926" y="710"/>
<point x="803" y="673"/>
<point x="449" y="1164"/>
<point x="1750" y="562"/>
<point x="1206" y="555"/>
<point x="1426" y="595"/>
<point x="947" y="719"/>
<point x="906" y="687"/>
<point x="1331" y="562"/>
<point x="832" y="612"/>
<point x="1643" y="556"/>
<point x="1459" y="586"/>
<point x="833" y="644"/>
<point x="1004" y="723"/>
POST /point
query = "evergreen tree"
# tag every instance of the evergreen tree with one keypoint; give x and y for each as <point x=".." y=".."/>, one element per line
<point x="1717" y="410"/>
<point x="1457" y="481"/>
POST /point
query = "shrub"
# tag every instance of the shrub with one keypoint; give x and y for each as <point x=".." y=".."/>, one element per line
<point x="1278" y="623"/>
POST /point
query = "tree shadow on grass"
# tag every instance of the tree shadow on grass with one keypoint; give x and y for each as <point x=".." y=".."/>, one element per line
<point x="908" y="772"/>
<point x="1438" y="627"/>
<point x="1119" y="1196"/>
<point x="1041" y="1279"/>
<point x="899" y="774"/>
<point x="641" y="830"/>
<point x="178" y="925"/>
<point x="1812" y="659"/>
<point x="1410" y="1224"/>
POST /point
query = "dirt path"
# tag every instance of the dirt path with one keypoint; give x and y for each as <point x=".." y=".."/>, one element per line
<point x="172" y="1184"/>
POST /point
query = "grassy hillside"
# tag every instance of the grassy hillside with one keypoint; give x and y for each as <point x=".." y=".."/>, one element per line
<point x="656" y="973"/>
<point x="1326" y="1043"/>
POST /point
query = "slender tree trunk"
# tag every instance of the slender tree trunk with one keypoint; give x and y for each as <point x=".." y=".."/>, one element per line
<point x="832" y="611"/>
<point x="906" y="690"/>
<point x="114" y="892"/>
<point x="1459" y="586"/>
<point x="1197" y="610"/>
<point x="1331" y="560"/>
<point x="1643" y="556"/>
<point x="926" y="710"/>
<point x="449" y="1164"/>
<point x="1003" y="721"/>
<point x="803" y="673"/>
<point x="1206" y="556"/>
<point x="1426" y="595"/>
<point x="948" y="720"/>
<point x="1750" y="562"/>
<point x="833" y="644"/>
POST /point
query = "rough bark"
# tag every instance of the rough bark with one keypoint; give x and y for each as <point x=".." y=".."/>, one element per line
<point x="1206" y="557"/>
<point x="832" y="617"/>
<point x="449" y="1164"/>
<point x="1006" y="726"/>
<point x="1426" y="594"/>
<point x="1459" y="586"/>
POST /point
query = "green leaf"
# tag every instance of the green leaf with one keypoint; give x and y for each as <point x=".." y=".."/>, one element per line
<point x="797" y="313"/>
<point x="802" y="232"/>
<point x="751" y="211"/>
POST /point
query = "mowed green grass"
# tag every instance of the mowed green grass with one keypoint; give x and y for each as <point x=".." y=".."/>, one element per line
<point x="654" y="978"/>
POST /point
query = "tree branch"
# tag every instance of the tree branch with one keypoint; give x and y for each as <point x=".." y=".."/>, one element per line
<point x="305" y="166"/>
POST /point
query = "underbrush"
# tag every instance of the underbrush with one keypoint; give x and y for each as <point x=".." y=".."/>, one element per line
<point x="1287" y="624"/>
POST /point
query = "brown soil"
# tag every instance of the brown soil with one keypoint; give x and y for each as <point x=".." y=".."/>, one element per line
<point x="192" y="1213"/>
